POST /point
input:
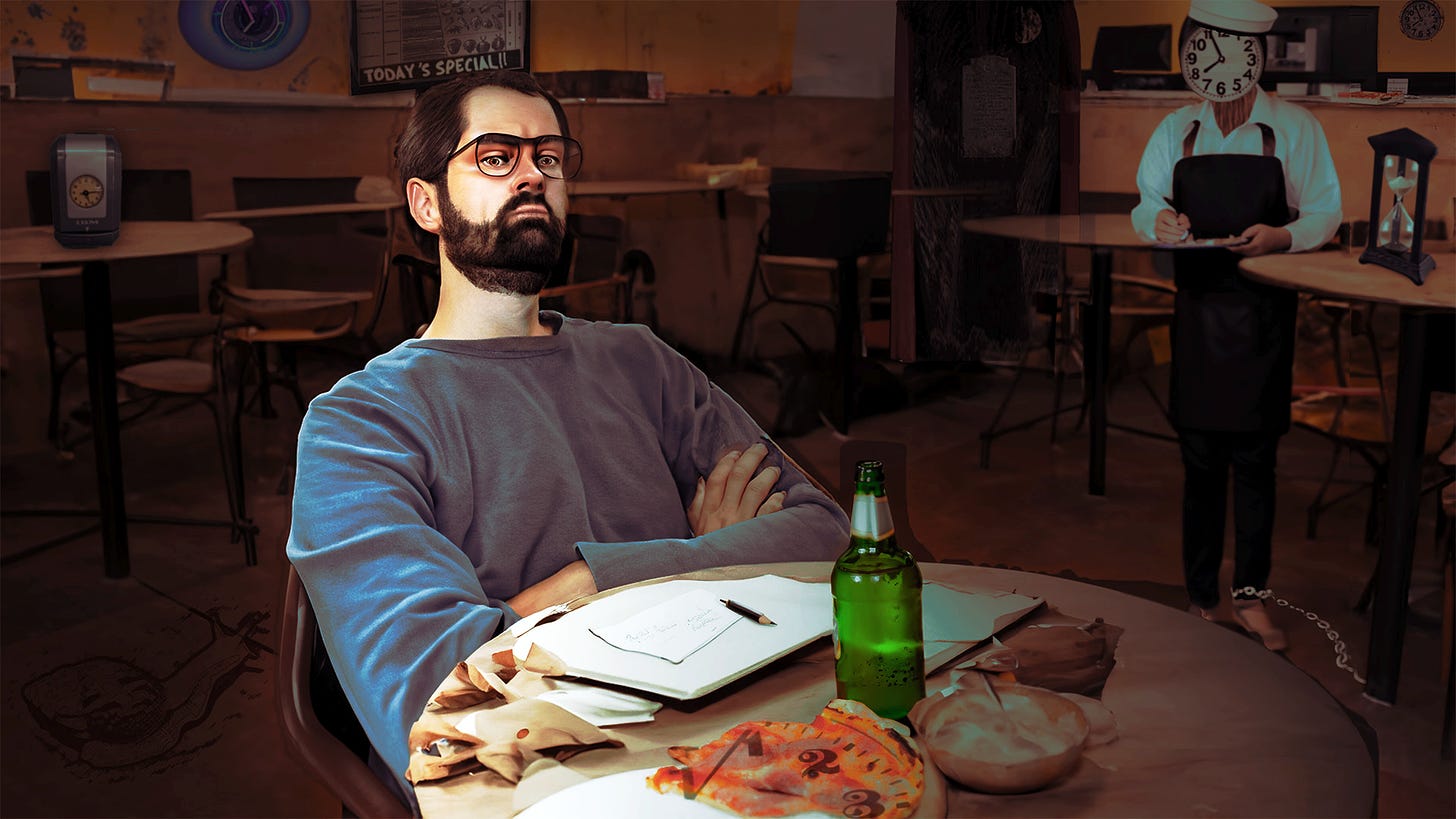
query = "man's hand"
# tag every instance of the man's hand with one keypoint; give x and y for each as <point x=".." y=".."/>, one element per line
<point x="1171" y="227"/>
<point x="732" y="494"/>
<point x="573" y="581"/>
<point x="1263" y="239"/>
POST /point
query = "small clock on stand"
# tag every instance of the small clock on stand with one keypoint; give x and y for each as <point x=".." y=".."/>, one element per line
<point x="86" y="189"/>
<point x="1402" y="165"/>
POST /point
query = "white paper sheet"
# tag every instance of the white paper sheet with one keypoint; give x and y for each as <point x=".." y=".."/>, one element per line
<point x="672" y="629"/>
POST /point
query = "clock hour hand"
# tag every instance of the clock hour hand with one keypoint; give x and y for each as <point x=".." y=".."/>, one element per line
<point x="252" y="20"/>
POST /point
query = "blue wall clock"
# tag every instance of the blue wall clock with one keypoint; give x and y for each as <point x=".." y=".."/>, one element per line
<point x="243" y="35"/>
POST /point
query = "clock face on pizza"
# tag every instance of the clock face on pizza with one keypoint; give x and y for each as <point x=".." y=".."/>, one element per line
<point x="1222" y="66"/>
<point x="847" y="762"/>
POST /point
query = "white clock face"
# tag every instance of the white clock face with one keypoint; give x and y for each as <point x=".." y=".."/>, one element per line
<point x="86" y="191"/>
<point x="1220" y="66"/>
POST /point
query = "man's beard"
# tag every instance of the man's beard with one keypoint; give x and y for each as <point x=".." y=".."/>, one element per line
<point x="503" y="255"/>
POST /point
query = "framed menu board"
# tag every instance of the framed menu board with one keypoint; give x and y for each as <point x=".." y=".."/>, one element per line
<point x="401" y="44"/>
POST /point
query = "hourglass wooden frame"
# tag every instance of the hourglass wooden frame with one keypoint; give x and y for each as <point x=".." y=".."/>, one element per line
<point x="1406" y="145"/>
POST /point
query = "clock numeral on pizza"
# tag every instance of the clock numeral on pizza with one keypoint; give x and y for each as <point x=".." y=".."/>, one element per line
<point x="863" y="804"/>
<point x="820" y="761"/>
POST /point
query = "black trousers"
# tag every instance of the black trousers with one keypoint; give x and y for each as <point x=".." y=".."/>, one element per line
<point x="1207" y="459"/>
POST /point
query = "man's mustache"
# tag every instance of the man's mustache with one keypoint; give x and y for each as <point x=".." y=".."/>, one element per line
<point x="526" y="198"/>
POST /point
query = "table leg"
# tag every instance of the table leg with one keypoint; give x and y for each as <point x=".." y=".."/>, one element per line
<point x="105" y="425"/>
<point x="1393" y="571"/>
<point x="846" y="341"/>
<point x="1097" y="369"/>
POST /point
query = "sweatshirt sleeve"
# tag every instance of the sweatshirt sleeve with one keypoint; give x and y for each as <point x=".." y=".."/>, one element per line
<point x="398" y="604"/>
<point x="698" y="422"/>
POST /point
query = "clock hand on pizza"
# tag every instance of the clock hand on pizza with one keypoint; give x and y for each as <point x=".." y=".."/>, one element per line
<point x="847" y="762"/>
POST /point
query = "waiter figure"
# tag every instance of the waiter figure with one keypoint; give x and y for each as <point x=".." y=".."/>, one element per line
<point x="1254" y="167"/>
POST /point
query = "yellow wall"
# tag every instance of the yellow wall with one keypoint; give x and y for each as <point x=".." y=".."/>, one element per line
<point x="148" y="31"/>
<point x="1395" y="51"/>
<point x="742" y="46"/>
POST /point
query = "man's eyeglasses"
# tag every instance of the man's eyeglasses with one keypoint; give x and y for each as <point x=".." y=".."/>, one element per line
<point x="557" y="157"/>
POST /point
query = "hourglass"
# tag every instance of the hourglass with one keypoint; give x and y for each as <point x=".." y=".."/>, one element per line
<point x="1402" y="165"/>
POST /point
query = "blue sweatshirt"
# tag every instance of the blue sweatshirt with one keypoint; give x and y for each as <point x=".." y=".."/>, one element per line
<point x="449" y="475"/>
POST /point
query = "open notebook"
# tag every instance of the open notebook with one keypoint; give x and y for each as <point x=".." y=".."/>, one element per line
<point x="708" y="651"/>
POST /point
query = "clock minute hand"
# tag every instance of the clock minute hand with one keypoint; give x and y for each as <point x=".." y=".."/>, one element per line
<point x="1217" y="50"/>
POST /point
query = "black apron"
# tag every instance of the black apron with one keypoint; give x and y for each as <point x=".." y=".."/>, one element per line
<point x="1233" y="339"/>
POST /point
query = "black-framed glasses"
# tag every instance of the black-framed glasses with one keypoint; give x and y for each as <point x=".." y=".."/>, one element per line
<point x="555" y="156"/>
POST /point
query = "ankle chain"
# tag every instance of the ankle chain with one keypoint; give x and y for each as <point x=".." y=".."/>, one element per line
<point x="1342" y="656"/>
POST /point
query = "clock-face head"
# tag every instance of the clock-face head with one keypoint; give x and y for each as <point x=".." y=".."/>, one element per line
<point x="1219" y="65"/>
<point x="86" y="191"/>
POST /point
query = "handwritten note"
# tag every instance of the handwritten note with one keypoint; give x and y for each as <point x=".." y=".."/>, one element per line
<point x="672" y="629"/>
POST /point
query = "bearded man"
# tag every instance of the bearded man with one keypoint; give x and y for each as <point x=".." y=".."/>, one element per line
<point x="512" y="458"/>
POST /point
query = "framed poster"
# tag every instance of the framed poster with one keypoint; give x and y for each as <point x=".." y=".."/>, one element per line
<point x="402" y="44"/>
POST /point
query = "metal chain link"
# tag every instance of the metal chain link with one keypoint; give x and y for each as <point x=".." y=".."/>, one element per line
<point x="1342" y="657"/>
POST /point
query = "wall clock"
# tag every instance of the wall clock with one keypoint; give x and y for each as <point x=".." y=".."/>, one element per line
<point x="1421" y="19"/>
<point x="244" y="35"/>
<point x="1220" y="65"/>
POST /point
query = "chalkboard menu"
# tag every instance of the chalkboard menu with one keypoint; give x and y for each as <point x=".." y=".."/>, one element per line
<point x="400" y="44"/>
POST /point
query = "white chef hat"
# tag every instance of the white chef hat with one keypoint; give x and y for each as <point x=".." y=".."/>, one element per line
<point x="1238" y="16"/>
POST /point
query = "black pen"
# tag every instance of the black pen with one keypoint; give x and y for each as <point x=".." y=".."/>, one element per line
<point x="739" y="608"/>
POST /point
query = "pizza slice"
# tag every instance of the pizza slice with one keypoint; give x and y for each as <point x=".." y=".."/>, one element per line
<point x="847" y="762"/>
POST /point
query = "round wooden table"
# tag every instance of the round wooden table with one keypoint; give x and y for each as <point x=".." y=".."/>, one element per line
<point x="1102" y="233"/>
<point x="1210" y="723"/>
<point x="1341" y="275"/>
<point x="137" y="240"/>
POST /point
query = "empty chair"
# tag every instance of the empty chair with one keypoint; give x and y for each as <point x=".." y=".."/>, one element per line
<point x="826" y="221"/>
<point x="311" y="278"/>
<point x="158" y="303"/>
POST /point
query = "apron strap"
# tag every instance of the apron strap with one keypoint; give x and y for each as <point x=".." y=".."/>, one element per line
<point x="1190" y="139"/>
<point x="1264" y="130"/>
<point x="1268" y="134"/>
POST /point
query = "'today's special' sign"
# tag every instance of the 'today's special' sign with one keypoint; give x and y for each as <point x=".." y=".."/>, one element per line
<point x="402" y="44"/>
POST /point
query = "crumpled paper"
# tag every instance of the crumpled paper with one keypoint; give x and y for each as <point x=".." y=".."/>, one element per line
<point x="505" y="740"/>
<point x="1061" y="653"/>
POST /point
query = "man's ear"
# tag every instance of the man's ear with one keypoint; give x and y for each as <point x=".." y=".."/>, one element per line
<point x="424" y="204"/>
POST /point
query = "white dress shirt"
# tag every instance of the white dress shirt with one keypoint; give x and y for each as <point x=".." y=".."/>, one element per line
<point x="1310" y="184"/>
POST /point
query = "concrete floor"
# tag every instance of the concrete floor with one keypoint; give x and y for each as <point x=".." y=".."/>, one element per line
<point x="153" y="695"/>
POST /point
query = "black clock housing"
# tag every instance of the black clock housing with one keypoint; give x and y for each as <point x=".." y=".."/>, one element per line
<point x="86" y="189"/>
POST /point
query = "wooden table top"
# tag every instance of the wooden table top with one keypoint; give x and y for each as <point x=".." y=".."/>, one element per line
<point x="137" y="240"/>
<point x="1341" y="275"/>
<point x="1075" y="229"/>
<point x="304" y="210"/>
<point x="640" y="187"/>
<point x="982" y="189"/>
<point x="1279" y="744"/>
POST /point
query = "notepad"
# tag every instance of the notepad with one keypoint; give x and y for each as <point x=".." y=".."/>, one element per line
<point x="954" y="621"/>
<point x="802" y="611"/>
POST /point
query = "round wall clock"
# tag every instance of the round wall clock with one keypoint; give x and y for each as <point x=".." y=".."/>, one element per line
<point x="1421" y="19"/>
<point x="243" y="35"/>
<point x="1220" y="65"/>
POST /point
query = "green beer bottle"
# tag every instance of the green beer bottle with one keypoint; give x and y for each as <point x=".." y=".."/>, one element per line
<point x="879" y="651"/>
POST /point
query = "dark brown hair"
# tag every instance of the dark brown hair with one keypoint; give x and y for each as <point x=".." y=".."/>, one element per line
<point x="438" y="121"/>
